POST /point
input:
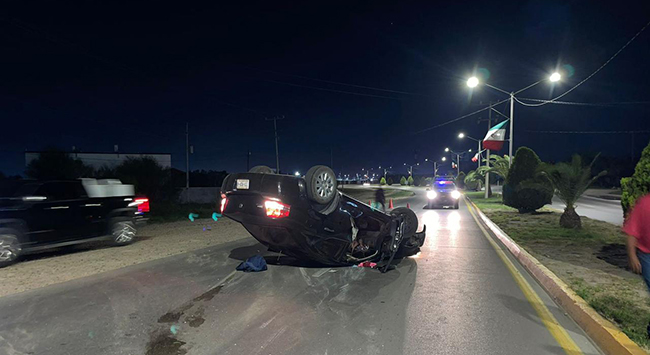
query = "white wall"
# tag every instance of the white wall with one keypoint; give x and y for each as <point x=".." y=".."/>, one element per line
<point x="97" y="160"/>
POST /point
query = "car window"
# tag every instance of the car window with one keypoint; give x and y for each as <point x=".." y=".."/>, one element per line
<point x="58" y="191"/>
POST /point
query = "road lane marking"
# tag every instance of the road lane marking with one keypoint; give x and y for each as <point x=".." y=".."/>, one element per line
<point x="557" y="331"/>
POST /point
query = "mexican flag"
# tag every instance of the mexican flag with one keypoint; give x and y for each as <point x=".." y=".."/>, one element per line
<point x="495" y="137"/>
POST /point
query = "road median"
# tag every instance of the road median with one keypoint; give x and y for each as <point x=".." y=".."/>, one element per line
<point x="604" y="333"/>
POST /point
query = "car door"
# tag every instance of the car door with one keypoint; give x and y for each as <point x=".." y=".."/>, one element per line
<point x="62" y="210"/>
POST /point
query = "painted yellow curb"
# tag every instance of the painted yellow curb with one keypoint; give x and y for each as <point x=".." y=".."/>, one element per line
<point x="605" y="334"/>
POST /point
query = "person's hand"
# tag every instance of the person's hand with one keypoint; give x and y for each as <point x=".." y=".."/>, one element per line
<point x="635" y="265"/>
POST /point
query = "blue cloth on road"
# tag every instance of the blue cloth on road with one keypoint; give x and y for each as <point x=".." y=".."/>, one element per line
<point x="253" y="264"/>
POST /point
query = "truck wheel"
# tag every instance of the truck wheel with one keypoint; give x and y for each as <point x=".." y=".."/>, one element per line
<point x="410" y="220"/>
<point x="261" y="169"/>
<point x="10" y="248"/>
<point x="321" y="184"/>
<point x="123" y="232"/>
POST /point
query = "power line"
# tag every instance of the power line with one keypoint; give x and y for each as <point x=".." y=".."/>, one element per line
<point x="460" y="118"/>
<point x="597" y="104"/>
<point x="592" y="74"/>
<point x="341" y="83"/>
<point x="588" y="132"/>
<point x="332" y="90"/>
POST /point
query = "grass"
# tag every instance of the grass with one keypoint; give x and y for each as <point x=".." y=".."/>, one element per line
<point x="573" y="255"/>
<point x="162" y="212"/>
<point x="617" y="306"/>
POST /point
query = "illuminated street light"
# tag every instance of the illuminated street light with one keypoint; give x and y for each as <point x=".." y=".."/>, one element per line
<point x="297" y="173"/>
<point x="461" y="135"/>
<point x="472" y="82"/>
<point x="446" y="149"/>
<point x="555" y="77"/>
<point x="444" y="159"/>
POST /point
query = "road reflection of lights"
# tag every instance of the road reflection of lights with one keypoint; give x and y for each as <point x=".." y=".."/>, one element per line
<point x="432" y="220"/>
<point x="453" y="224"/>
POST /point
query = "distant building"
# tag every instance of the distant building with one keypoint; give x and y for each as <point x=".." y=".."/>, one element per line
<point x="97" y="160"/>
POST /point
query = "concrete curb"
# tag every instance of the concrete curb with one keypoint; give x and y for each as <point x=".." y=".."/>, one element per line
<point x="605" y="334"/>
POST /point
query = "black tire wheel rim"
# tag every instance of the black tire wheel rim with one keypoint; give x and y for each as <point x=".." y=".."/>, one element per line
<point x="9" y="248"/>
<point x="123" y="232"/>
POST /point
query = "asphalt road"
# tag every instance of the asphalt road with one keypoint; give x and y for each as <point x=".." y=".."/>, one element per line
<point x="456" y="297"/>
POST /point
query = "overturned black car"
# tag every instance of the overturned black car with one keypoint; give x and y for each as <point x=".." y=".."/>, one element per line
<point x="308" y="218"/>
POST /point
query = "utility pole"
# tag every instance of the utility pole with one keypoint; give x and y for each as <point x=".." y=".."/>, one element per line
<point x="512" y="125"/>
<point x="187" y="155"/>
<point x="487" y="155"/>
<point x="277" y="152"/>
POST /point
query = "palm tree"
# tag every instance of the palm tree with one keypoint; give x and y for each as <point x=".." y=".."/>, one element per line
<point x="498" y="165"/>
<point x="570" y="181"/>
<point x="474" y="180"/>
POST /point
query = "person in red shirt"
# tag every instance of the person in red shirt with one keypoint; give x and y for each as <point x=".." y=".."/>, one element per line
<point x="637" y="227"/>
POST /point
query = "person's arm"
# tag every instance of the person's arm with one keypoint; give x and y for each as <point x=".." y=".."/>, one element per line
<point x="635" y="265"/>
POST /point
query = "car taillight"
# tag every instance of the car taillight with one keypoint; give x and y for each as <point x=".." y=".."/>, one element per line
<point x="276" y="209"/>
<point x="224" y="202"/>
<point x="143" y="204"/>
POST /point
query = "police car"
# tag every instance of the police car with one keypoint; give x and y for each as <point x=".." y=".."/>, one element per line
<point x="443" y="193"/>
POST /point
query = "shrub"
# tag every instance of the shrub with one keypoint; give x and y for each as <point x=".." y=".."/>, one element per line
<point x="390" y="181"/>
<point x="638" y="184"/>
<point x="460" y="180"/>
<point x="409" y="181"/>
<point x="525" y="189"/>
<point x="428" y="181"/>
<point x="402" y="181"/>
<point x="382" y="181"/>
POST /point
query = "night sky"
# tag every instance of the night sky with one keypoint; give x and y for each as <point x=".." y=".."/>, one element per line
<point x="358" y="79"/>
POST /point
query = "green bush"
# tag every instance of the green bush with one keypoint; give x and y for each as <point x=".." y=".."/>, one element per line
<point x="460" y="180"/>
<point x="409" y="181"/>
<point x="390" y="181"/>
<point x="638" y="184"/>
<point x="525" y="189"/>
<point x="382" y="181"/>
<point x="428" y="181"/>
<point x="402" y="181"/>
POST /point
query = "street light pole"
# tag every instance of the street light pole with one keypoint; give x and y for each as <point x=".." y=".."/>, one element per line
<point x="487" y="156"/>
<point x="512" y="125"/>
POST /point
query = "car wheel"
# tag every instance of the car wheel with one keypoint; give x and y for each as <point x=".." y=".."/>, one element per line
<point x="321" y="184"/>
<point x="261" y="169"/>
<point x="123" y="232"/>
<point x="410" y="220"/>
<point x="456" y="206"/>
<point x="10" y="248"/>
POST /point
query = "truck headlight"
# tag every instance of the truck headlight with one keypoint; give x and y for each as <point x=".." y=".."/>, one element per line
<point x="455" y="194"/>
<point x="431" y="195"/>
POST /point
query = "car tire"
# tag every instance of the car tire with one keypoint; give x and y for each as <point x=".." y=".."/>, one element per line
<point x="331" y="207"/>
<point x="10" y="246"/>
<point x="261" y="169"/>
<point x="321" y="184"/>
<point x="456" y="206"/>
<point x="410" y="220"/>
<point x="122" y="232"/>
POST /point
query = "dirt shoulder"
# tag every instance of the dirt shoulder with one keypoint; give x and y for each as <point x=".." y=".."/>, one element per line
<point x="591" y="260"/>
<point x="154" y="242"/>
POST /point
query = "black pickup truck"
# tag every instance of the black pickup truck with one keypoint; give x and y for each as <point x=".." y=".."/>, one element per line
<point x="41" y="215"/>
